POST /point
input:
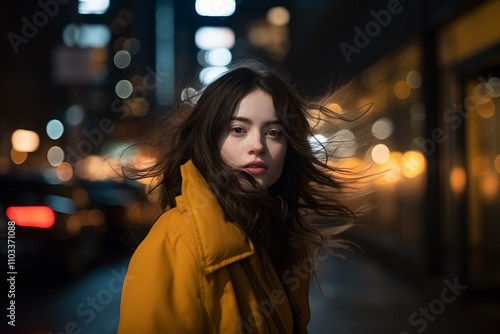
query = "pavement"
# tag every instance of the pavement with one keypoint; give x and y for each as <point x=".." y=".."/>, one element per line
<point x="358" y="295"/>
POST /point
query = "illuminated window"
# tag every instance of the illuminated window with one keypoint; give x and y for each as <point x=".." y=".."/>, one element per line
<point x="215" y="7"/>
<point x="93" y="6"/>
<point x="214" y="37"/>
<point x="86" y="35"/>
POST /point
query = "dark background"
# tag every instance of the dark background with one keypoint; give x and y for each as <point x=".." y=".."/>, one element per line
<point x="69" y="281"/>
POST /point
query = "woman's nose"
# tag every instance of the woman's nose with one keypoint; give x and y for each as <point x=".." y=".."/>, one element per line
<point x="256" y="144"/>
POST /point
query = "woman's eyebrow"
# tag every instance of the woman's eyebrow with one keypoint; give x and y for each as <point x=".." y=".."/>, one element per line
<point x="249" y="121"/>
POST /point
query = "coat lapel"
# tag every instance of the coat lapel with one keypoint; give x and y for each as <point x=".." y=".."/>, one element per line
<point x="219" y="242"/>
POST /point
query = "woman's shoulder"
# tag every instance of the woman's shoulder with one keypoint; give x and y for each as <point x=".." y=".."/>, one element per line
<point x="170" y="229"/>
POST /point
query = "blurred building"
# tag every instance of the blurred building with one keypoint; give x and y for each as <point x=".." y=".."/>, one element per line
<point x="82" y="80"/>
<point x="431" y="70"/>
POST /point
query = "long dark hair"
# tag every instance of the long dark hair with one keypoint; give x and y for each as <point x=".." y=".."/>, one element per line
<point x="298" y="215"/>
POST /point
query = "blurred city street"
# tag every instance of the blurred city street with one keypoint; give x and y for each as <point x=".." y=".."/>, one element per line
<point x="84" y="82"/>
<point x="358" y="296"/>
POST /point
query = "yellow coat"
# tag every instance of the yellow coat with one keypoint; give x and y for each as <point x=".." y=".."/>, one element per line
<point x="197" y="273"/>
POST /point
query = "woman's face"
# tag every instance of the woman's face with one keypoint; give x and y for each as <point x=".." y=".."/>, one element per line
<point x="254" y="141"/>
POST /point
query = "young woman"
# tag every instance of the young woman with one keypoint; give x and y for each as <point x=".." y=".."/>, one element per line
<point x="247" y="201"/>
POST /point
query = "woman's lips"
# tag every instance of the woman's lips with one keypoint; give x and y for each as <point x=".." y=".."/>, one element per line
<point x="254" y="170"/>
<point x="255" y="167"/>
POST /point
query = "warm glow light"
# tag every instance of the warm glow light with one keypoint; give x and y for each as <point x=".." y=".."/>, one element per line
<point x="18" y="157"/>
<point x="64" y="171"/>
<point x="487" y="109"/>
<point x="413" y="164"/>
<point x="393" y="167"/>
<point x="32" y="216"/>
<point x="138" y="106"/>
<point x="335" y="107"/>
<point x="480" y="166"/>
<point x="402" y="90"/>
<point x="458" y="179"/>
<point x="497" y="163"/>
<point x="25" y="140"/>
<point x="215" y="7"/>
<point x="94" y="168"/>
<point x="73" y="225"/>
<point x="214" y="37"/>
<point x="278" y="16"/>
<point x="489" y="185"/>
<point x="342" y="143"/>
<point x="380" y="154"/>
<point x="482" y="93"/>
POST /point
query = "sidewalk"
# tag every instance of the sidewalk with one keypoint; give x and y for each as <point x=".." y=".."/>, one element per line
<point x="358" y="296"/>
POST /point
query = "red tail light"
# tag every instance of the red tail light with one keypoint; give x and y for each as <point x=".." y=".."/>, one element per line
<point x="32" y="216"/>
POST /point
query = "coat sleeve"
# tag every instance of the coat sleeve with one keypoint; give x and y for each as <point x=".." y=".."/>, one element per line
<point x="162" y="291"/>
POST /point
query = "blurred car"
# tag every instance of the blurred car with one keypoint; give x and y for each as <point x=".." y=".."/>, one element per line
<point x="64" y="228"/>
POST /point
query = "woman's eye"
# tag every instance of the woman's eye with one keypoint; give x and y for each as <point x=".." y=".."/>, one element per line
<point x="274" y="133"/>
<point x="237" y="130"/>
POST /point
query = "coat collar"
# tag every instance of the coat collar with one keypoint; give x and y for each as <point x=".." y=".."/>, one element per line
<point x="219" y="242"/>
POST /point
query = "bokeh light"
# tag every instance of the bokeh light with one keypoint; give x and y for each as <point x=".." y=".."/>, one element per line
<point x="25" y="140"/>
<point x="458" y="179"/>
<point x="75" y="115"/>
<point x="486" y="109"/>
<point x="124" y="89"/>
<point x="132" y="45"/>
<point x="380" y="154"/>
<point x="278" y="16"/>
<point x="64" y="171"/>
<point x="207" y="38"/>
<point x="413" y="164"/>
<point x="489" y="185"/>
<point x="392" y="168"/>
<point x="402" y="90"/>
<point x="122" y="59"/>
<point x="55" y="155"/>
<point x="414" y="79"/>
<point x="55" y="129"/>
<point x="218" y="57"/>
<point x="18" y="157"/>
<point x="215" y="7"/>
<point x="382" y="128"/>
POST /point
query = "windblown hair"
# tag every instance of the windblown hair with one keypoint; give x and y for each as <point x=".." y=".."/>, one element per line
<point x="297" y="216"/>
